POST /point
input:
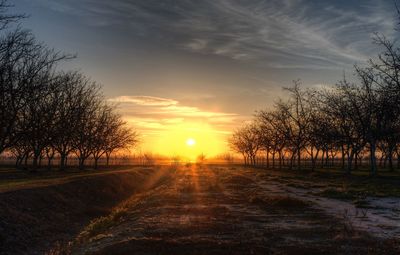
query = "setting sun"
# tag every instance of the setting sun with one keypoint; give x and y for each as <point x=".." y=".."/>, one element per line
<point x="190" y="142"/>
<point x="173" y="139"/>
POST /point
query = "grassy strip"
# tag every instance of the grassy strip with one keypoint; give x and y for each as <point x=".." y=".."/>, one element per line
<point x="100" y="225"/>
<point x="44" y="179"/>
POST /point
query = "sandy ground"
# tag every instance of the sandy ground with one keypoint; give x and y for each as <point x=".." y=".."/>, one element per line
<point x="224" y="210"/>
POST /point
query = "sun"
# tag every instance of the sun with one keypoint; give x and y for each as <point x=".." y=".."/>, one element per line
<point x="190" y="142"/>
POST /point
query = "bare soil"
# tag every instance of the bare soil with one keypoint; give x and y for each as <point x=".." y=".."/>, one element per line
<point x="231" y="210"/>
<point x="36" y="216"/>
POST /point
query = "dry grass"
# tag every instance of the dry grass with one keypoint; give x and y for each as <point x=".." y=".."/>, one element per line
<point x="282" y="202"/>
<point x="99" y="225"/>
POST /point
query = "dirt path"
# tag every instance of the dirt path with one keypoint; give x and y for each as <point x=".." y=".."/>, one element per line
<point x="380" y="219"/>
<point x="217" y="210"/>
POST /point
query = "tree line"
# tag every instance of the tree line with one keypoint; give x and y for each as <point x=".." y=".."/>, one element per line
<point x="341" y="124"/>
<point x="48" y="113"/>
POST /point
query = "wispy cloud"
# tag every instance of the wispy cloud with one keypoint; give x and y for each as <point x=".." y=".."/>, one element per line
<point x="189" y="111"/>
<point x="275" y="33"/>
<point x="156" y="114"/>
<point x="295" y="35"/>
<point x="145" y="100"/>
<point x="197" y="44"/>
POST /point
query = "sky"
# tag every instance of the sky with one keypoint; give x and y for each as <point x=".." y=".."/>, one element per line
<point x="181" y="69"/>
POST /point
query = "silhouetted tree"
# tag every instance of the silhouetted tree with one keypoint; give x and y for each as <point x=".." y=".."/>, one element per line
<point x="45" y="112"/>
<point x="120" y="137"/>
<point x="246" y="141"/>
<point x="111" y="134"/>
<point x="5" y="17"/>
<point x="25" y="69"/>
<point x="87" y="123"/>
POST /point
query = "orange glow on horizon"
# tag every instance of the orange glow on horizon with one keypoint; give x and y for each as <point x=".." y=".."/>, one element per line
<point x="186" y="140"/>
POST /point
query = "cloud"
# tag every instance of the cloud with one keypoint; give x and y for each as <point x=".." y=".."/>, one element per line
<point x="189" y="111"/>
<point x="156" y="114"/>
<point x="145" y="100"/>
<point x="292" y="35"/>
<point x="275" y="33"/>
<point x="165" y="106"/>
<point x="197" y="44"/>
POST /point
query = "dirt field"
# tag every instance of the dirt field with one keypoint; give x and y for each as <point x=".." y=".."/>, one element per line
<point x="199" y="210"/>
<point x="37" y="214"/>
<point x="230" y="210"/>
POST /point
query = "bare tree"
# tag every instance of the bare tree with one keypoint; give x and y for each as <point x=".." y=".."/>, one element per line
<point x="103" y="122"/>
<point x="227" y="157"/>
<point x="120" y="137"/>
<point x="48" y="113"/>
<point x="5" y="17"/>
<point x="87" y="113"/>
<point x="73" y="88"/>
<point x="24" y="64"/>
<point x="111" y="134"/>
<point x="246" y="141"/>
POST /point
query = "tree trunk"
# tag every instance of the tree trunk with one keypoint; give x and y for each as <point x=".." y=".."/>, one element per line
<point x="349" y="162"/>
<point x="96" y="160"/>
<point x="381" y="160"/>
<point x="63" y="158"/>
<point x="273" y="160"/>
<point x="18" y="161"/>
<point x="356" y="161"/>
<point x="25" y="164"/>
<point x="322" y="158"/>
<point x="373" y="158"/>
<point x="314" y="160"/>
<point x="108" y="159"/>
<point x="343" y="158"/>
<point x="26" y="160"/>
<point x="49" y="159"/>
<point x="35" y="161"/>
<point x="280" y="160"/>
<point x="298" y="159"/>
<point x="333" y="158"/>
<point x="390" y="158"/>
<point x="398" y="160"/>
<point x="81" y="164"/>
<point x="292" y="161"/>
<point x="326" y="158"/>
